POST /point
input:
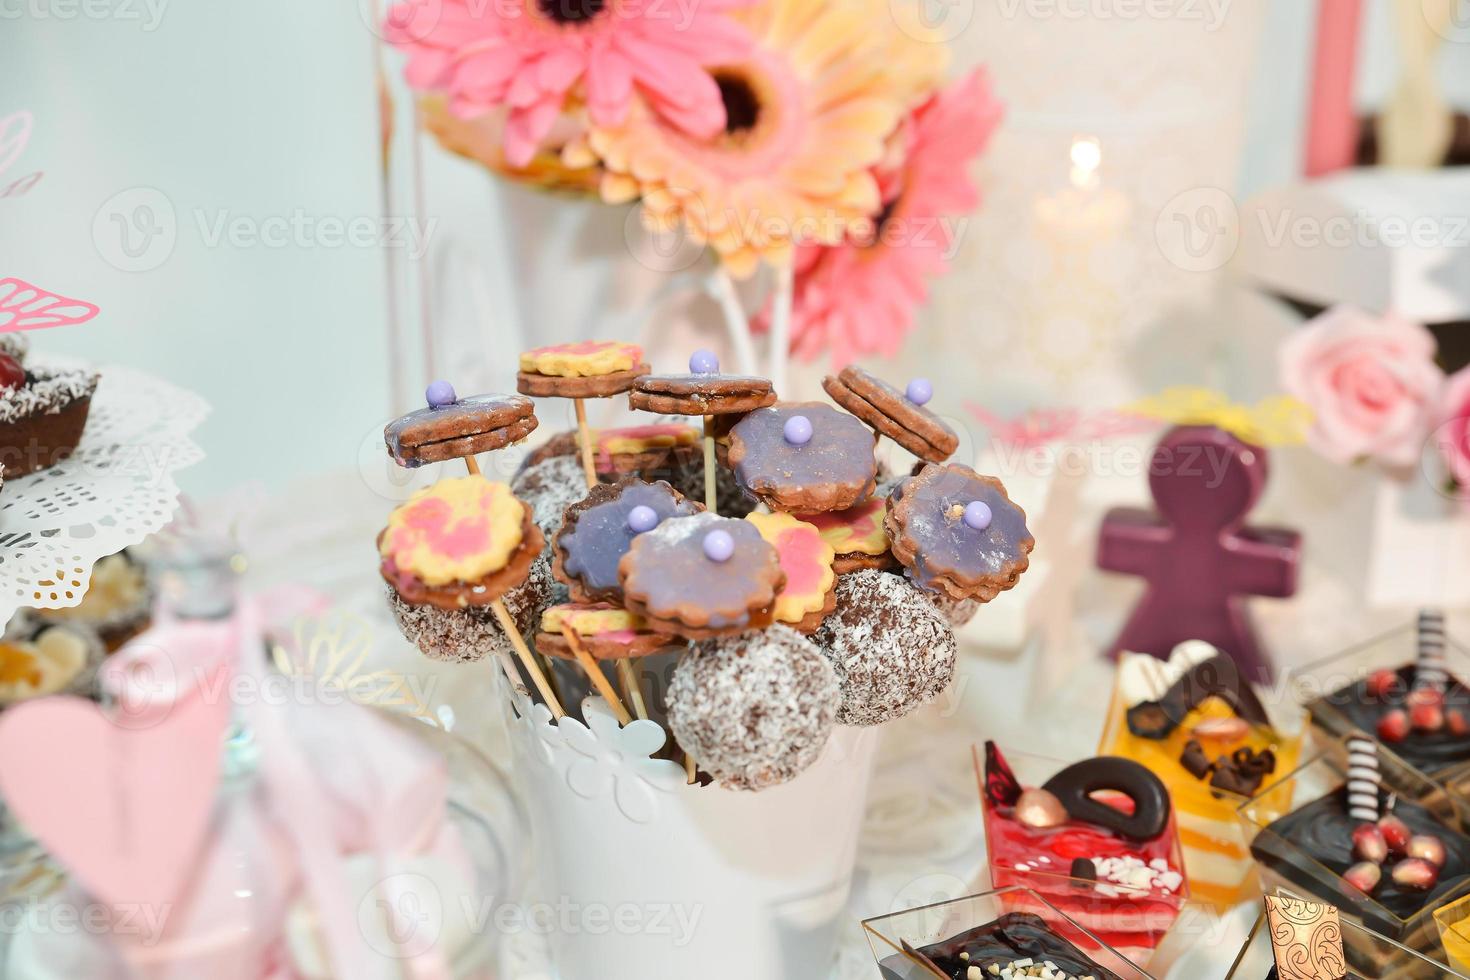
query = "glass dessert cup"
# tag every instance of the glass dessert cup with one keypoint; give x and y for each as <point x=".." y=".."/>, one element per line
<point x="1306" y="852"/>
<point x="940" y="932"/>
<point x="1453" y="921"/>
<point x="1129" y="915"/>
<point x="1256" y="959"/>
<point x="1336" y="693"/>
<point x="1216" y="856"/>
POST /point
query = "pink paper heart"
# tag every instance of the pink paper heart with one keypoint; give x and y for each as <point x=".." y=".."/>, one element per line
<point x="124" y="809"/>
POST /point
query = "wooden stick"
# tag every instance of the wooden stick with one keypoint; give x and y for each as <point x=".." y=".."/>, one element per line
<point x="711" y="497"/>
<point x="595" y="675"/>
<point x="585" y="436"/>
<point x="737" y="324"/>
<point x="781" y="325"/>
<point x="508" y="624"/>
<point x="508" y="664"/>
<point x="632" y="689"/>
<point x="473" y="465"/>
<point x="691" y="768"/>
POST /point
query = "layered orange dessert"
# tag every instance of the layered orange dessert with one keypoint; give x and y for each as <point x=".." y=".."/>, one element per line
<point x="1196" y="723"/>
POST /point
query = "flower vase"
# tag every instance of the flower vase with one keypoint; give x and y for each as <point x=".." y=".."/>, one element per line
<point x="641" y="875"/>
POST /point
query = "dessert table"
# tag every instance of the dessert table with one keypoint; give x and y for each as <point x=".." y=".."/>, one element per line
<point x="923" y="839"/>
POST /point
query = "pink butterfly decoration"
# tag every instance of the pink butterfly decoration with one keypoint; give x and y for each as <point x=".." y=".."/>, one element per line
<point x="27" y="307"/>
<point x="15" y="133"/>
<point x="1044" y="426"/>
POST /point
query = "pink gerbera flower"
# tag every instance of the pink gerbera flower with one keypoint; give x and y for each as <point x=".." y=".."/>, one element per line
<point x="528" y="56"/>
<point x="860" y="297"/>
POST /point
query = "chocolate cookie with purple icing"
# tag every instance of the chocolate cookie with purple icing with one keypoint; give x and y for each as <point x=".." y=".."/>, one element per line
<point x="899" y="415"/>
<point x="600" y="528"/>
<point x="957" y="532"/>
<point x="702" y="576"/>
<point x="804" y="457"/>
<point x="452" y="427"/>
<point x="703" y="391"/>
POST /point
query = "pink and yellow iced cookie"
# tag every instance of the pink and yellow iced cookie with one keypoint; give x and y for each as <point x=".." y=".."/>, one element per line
<point x="608" y="632"/>
<point x="810" y="593"/>
<point x="462" y="542"/>
<point x="587" y="369"/>
<point x="631" y="449"/>
<point x="857" y="535"/>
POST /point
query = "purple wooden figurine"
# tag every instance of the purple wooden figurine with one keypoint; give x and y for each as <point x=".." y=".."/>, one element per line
<point x="1199" y="558"/>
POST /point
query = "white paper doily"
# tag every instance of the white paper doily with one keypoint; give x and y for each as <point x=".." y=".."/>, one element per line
<point x="117" y="489"/>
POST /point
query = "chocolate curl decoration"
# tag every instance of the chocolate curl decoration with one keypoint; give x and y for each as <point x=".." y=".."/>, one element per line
<point x="1363" y="779"/>
<point x="1429" y="667"/>
<point x="1002" y="787"/>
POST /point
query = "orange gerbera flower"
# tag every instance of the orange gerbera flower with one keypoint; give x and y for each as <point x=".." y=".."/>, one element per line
<point x="807" y="116"/>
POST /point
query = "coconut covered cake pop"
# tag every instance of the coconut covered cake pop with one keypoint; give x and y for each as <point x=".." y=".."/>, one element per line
<point x="472" y="633"/>
<point x="755" y="709"/>
<point x="891" y="648"/>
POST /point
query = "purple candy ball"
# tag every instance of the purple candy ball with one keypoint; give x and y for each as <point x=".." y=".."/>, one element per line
<point x="798" y="430"/>
<point x="642" y="518"/>
<point x="440" y="393"/>
<point x="919" y="391"/>
<point x="978" y="515"/>
<point x="718" y="546"/>
<point x="704" y="361"/>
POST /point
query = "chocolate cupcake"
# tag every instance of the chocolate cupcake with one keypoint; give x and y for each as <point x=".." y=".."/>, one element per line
<point x="41" y="659"/>
<point x="43" y="412"/>
<point x="118" y="604"/>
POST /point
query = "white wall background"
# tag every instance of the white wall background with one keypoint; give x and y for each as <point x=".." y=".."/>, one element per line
<point x="264" y="115"/>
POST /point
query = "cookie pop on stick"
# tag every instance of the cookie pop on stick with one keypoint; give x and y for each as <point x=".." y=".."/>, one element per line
<point x="899" y="415"/>
<point x="464" y="541"/>
<point x="590" y="369"/>
<point x="958" y="533"/>
<point x="704" y="392"/>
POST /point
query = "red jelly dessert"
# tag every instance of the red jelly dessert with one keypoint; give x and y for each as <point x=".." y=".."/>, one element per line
<point x="1096" y="838"/>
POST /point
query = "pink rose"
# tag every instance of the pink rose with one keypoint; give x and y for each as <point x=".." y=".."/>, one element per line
<point x="1371" y="382"/>
<point x="1454" y="432"/>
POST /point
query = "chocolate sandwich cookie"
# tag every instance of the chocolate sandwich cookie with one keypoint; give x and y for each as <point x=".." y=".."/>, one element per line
<point x="599" y="529"/>
<point x="957" y="532"/>
<point x="453" y="428"/>
<point x="899" y="415"/>
<point x="461" y="542"/>
<point x="702" y="576"/>
<point x="589" y="369"/>
<point x="803" y="457"/>
<point x="609" y="633"/>
<point x="701" y="394"/>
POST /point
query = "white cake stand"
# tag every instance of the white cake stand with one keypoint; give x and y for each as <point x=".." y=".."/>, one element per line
<point x="117" y="489"/>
